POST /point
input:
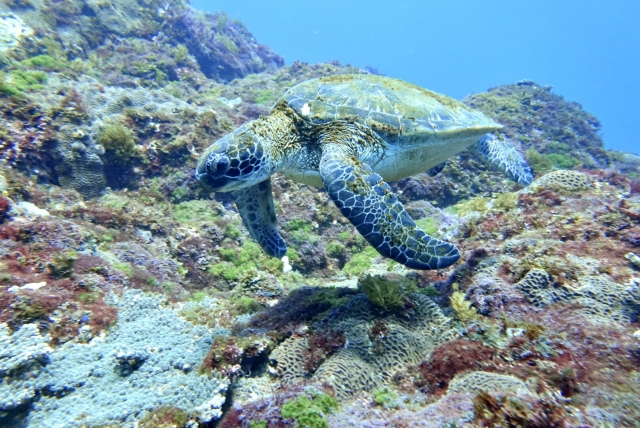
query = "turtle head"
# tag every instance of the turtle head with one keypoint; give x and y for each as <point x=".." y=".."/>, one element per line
<point x="234" y="162"/>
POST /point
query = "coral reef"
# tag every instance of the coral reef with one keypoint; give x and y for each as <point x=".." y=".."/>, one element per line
<point x="600" y="298"/>
<point x="23" y="356"/>
<point x="562" y="180"/>
<point x="130" y="296"/>
<point x="544" y="121"/>
<point x="382" y="344"/>
<point x="129" y="365"/>
<point x="475" y="382"/>
<point x="554" y="133"/>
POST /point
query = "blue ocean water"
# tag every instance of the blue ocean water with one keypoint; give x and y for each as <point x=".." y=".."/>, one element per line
<point x="588" y="50"/>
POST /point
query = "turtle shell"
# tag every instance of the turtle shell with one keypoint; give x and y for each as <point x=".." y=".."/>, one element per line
<point x="391" y="107"/>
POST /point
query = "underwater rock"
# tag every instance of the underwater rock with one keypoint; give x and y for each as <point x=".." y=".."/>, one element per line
<point x="224" y="49"/>
<point x="144" y="370"/>
<point x="634" y="259"/>
<point x="28" y="210"/>
<point x="598" y="297"/>
<point x="538" y="119"/>
<point x="12" y="30"/>
<point x="379" y="345"/>
<point x="23" y="354"/>
<point x="475" y="382"/>
<point x="172" y="80"/>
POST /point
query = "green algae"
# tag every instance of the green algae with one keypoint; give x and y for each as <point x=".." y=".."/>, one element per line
<point x="115" y="201"/>
<point x="264" y="97"/>
<point x="246" y="305"/>
<point x="387" y="294"/>
<point x="543" y="163"/>
<point x="308" y="412"/>
<point x="462" y="307"/>
<point x="327" y="298"/>
<point x="558" y="147"/>
<point x="301" y="232"/>
<point x="61" y="264"/>
<point x="88" y="297"/>
<point x="123" y="267"/>
<point x="46" y="62"/>
<point x="464" y="208"/>
<point x="180" y="194"/>
<point x="228" y="43"/>
<point x="334" y="249"/>
<point x="239" y="262"/>
<point x="344" y="236"/>
<point x="428" y="291"/>
<point x="119" y="144"/>
<point x="428" y="226"/>
<point x="292" y="255"/>
<point x="226" y="270"/>
<point x="107" y="237"/>
<point x="180" y="53"/>
<point x="166" y="416"/>
<point x="498" y="104"/>
<point x="386" y="398"/>
<point x="199" y="296"/>
<point x="194" y="211"/>
<point x="232" y="231"/>
<point x="360" y="262"/>
<point x="17" y="82"/>
<point x="562" y="161"/>
<point x="505" y="201"/>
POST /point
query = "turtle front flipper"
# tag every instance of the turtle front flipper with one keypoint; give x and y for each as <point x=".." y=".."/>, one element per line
<point x="255" y="205"/>
<point x="370" y="205"/>
<point x="502" y="155"/>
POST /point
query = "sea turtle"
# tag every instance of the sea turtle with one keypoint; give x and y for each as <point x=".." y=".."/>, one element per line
<point x="350" y="134"/>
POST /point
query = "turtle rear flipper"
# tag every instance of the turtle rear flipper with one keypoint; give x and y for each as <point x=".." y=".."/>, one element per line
<point x="370" y="205"/>
<point x="255" y="205"/>
<point x="502" y="155"/>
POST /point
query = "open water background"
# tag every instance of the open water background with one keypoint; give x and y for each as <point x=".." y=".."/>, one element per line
<point x="588" y="50"/>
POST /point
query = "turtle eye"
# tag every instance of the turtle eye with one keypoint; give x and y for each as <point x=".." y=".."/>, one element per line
<point x="222" y="165"/>
<point x="218" y="165"/>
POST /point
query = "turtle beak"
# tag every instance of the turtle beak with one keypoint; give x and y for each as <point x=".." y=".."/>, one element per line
<point x="212" y="184"/>
<point x="213" y="166"/>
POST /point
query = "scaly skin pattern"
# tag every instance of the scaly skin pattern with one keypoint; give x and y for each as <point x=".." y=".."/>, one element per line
<point x="255" y="205"/>
<point x="236" y="159"/>
<point x="503" y="156"/>
<point x="375" y="211"/>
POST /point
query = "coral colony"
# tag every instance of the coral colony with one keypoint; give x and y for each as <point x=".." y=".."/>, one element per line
<point x="131" y="296"/>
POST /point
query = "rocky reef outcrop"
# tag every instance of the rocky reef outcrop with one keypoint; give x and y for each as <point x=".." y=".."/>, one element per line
<point x="128" y="295"/>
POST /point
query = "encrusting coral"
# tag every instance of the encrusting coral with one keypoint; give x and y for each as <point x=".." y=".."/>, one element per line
<point x="562" y="180"/>
<point x="379" y="345"/>
<point x="121" y="277"/>
<point x="597" y="296"/>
